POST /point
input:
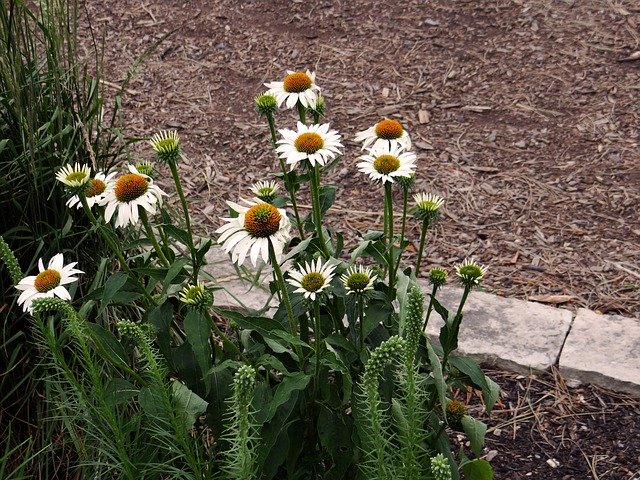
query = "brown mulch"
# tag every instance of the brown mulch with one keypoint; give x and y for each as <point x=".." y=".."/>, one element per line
<point x="522" y="115"/>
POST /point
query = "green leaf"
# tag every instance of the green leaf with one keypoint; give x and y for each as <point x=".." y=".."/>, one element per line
<point x="477" y="469"/>
<point x="151" y="403"/>
<point x="108" y="345"/>
<point x="119" y="391"/>
<point x="490" y="389"/>
<point x="333" y="360"/>
<point x="181" y="235"/>
<point x="335" y="430"/>
<point x="189" y="403"/>
<point x="327" y="197"/>
<point x="475" y="431"/>
<point x="375" y="313"/>
<point x="436" y="368"/>
<point x="263" y="325"/>
<point x="292" y="383"/>
<point x="113" y="284"/>
<point x="173" y="271"/>
<point x="198" y="331"/>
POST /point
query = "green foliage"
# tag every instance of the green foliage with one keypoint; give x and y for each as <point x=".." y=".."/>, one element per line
<point x="149" y="378"/>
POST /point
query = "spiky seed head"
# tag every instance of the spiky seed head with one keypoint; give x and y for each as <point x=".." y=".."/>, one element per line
<point x="266" y="104"/>
<point x="470" y="272"/>
<point x="196" y="296"/>
<point x="438" y="276"/>
<point x="440" y="467"/>
<point x="166" y="144"/>
<point x="455" y="412"/>
<point x="146" y="168"/>
<point x="407" y="183"/>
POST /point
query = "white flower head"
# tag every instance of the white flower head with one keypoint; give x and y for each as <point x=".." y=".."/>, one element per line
<point x="124" y="195"/>
<point x="384" y="163"/>
<point x="386" y="132"/>
<point x="94" y="192"/>
<point x="48" y="283"/>
<point x="265" y="190"/>
<point x="256" y="225"/>
<point x="427" y="205"/>
<point x="470" y="272"/>
<point x="312" y="278"/>
<point x="315" y="143"/>
<point x="296" y="87"/>
<point x="75" y="176"/>
<point x="358" y="279"/>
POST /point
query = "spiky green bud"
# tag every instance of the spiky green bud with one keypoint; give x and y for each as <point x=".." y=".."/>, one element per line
<point x="138" y="333"/>
<point x="413" y="322"/>
<point x="196" y="296"/>
<point x="470" y="272"/>
<point x="380" y="358"/>
<point x="438" y="277"/>
<point x="320" y="106"/>
<point x="146" y="168"/>
<point x="10" y="261"/>
<point x="407" y="183"/>
<point x="166" y="144"/>
<point x="266" y="104"/>
<point x="440" y="467"/>
<point x="52" y="304"/>
<point x="427" y="206"/>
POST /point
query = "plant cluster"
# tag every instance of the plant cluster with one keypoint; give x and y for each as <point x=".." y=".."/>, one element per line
<point x="151" y="378"/>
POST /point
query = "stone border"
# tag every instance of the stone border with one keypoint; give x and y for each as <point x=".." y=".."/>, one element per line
<point x="512" y="334"/>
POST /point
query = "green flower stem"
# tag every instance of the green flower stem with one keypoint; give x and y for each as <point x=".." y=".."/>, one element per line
<point x="405" y="195"/>
<point x="361" y="322"/>
<point x="114" y="247"/>
<point x="388" y="200"/>
<point x="315" y="207"/>
<point x="187" y="219"/>
<point x="316" y="343"/>
<point x="152" y="237"/>
<point x="457" y="320"/>
<point x="430" y="308"/>
<point x="302" y="113"/>
<point x="316" y="117"/>
<point x="225" y="340"/>
<point x="293" y="327"/>
<point x="304" y="328"/>
<point x="423" y="236"/>
<point x="287" y="179"/>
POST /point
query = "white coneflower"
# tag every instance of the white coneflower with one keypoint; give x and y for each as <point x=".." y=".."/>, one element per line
<point x="358" y="279"/>
<point x="386" y="132"/>
<point x="196" y="296"/>
<point x="296" y="87"/>
<point x="75" y="176"/>
<point x="315" y="143"/>
<point x="250" y="232"/>
<point x="312" y="278"/>
<point x="265" y="190"/>
<point x="166" y="144"/>
<point x="94" y="190"/>
<point x="384" y="163"/>
<point x="48" y="283"/>
<point x="470" y="272"/>
<point x="427" y="205"/>
<point x="127" y="193"/>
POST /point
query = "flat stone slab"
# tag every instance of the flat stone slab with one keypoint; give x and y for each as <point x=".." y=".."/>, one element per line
<point x="509" y="333"/>
<point x="243" y="287"/>
<point x="604" y="350"/>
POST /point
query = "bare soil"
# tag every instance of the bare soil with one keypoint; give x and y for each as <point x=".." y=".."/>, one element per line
<point x="522" y="115"/>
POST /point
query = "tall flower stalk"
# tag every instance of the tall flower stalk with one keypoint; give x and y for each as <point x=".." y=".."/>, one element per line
<point x="266" y="106"/>
<point x="167" y="148"/>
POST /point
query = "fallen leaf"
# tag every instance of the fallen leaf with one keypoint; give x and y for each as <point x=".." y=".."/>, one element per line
<point x="553" y="299"/>
<point x="631" y="58"/>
